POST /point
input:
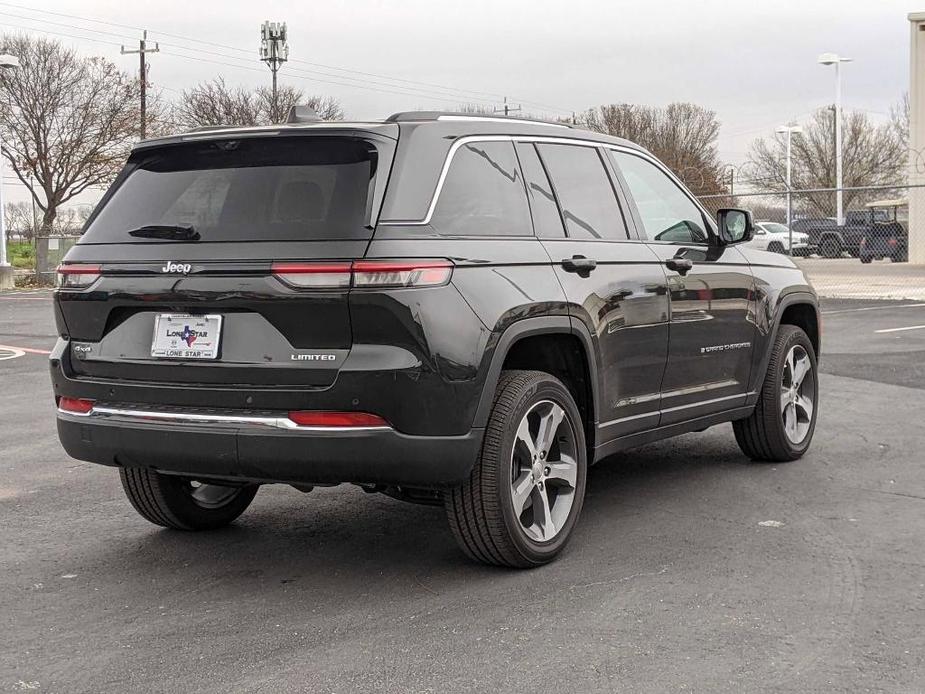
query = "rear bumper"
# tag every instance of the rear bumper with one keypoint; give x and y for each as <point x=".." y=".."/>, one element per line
<point x="265" y="449"/>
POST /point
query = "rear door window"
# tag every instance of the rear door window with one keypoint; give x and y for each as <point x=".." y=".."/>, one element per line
<point x="279" y="189"/>
<point x="483" y="193"/>
<point x="547" y="222"/>
<point x="586" y="196"/>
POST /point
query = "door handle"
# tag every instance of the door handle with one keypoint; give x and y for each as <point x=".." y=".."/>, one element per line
<point x="579" y="264"/>
<point x="680" y="265"/>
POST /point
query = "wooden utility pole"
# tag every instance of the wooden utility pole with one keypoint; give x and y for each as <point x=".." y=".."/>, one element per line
<point x="143" y="76"/>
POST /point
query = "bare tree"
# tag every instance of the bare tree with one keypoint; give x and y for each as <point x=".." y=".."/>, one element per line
<point x="216" y="103"/>
<point x="67" y="121"/>
<point x="18" y="216"/>
<point x="872" y="156"/>
<point x="681" y="135"/>
<point x="899" y="119"/>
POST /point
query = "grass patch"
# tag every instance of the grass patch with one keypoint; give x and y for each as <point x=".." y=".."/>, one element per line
<point x="21" y="254"/>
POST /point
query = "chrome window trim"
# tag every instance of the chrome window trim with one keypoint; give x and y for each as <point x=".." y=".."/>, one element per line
<point x="217" y="420"/>
<point x="548" y="139"/>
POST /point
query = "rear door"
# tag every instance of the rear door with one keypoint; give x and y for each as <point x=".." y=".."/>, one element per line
<point x="258" y="232"/>
<point x="712" y="303"/>
<point x="613" y="284"/>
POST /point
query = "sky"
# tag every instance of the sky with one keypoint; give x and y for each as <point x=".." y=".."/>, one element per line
<point x="753" y="63"/>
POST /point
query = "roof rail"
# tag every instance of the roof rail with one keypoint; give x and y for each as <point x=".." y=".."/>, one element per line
<point x="420" y="116"/>
<point x="205" y="128"/>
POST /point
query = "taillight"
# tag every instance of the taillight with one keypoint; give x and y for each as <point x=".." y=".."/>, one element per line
<point x="891" y="243"/>
<point x="306" y="418"/>
<point x="412" y="273"/>
<point x="313" y="275"/>
<point x="364" y="274"/>
<point x="75" y="405"/>
<point x="77" y="275"/>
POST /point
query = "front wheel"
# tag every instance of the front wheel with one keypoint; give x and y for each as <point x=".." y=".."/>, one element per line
<point x="781" y="427"/>
<point x="182" y="503"/>
<point x="776" y="247"/>
<point x="866" y="259"/>
<point x="525" y="493"/>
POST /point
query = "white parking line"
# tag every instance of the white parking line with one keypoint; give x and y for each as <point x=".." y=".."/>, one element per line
<point x="24" y="350"/>
<point x="899" y="330"/>
<point x="871" y="308"/>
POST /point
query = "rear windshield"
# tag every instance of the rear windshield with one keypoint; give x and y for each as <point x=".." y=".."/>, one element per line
<point x="261" y="189"/>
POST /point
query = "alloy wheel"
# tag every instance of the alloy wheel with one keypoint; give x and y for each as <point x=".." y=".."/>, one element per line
<point x="544" y="471"/>
<point x="210" y="495"/>
<point x="797" y="394"/>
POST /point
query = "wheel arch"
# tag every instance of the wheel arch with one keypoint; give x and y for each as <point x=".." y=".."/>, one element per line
<point x="795" y="308"/>
<point x="535" y="343"/>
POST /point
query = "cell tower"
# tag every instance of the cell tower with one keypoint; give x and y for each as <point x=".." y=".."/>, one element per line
<point x="274" y="51"/>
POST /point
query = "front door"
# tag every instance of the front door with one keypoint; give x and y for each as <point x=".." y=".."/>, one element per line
<point x="711" y="289"/>
<point x="613" y="285"/>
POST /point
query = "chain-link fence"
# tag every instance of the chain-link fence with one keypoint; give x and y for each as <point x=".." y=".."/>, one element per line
<point x="49" y="251"/>
<point x="861" y="255"/>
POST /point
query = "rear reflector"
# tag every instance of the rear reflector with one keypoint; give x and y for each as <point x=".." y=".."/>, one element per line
<point x="336" y="419"/>
<point x="75" y="405"/>
<point x="77" y="275"/>
<point x="364" y="274"/>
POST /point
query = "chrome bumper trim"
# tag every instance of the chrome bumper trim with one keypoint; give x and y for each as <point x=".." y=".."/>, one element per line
<point x="218" y="421"/>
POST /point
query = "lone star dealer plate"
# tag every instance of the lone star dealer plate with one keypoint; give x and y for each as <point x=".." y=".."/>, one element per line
<point x="186" y="336"/>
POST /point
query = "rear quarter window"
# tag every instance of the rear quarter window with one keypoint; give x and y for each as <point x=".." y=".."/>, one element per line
<point x="483" y="193"/>
<point x="279" y="189"/>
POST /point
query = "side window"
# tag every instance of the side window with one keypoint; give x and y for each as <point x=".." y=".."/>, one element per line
<point x="483" y="193"/>
<point x="589" y="204"/>
<point x="667" y="213"/>
<point x="546" y="219"/>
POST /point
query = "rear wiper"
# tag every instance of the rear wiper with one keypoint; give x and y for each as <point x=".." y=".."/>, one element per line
<point x="171" y="232"/>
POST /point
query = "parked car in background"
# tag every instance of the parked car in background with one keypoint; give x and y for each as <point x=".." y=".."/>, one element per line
<point x="775" y="237"/>
<point x="833" y="240"/>
<point x="888" y="233"/>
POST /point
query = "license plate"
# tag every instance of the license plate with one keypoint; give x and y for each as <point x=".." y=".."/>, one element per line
<point x="185" y="336"/>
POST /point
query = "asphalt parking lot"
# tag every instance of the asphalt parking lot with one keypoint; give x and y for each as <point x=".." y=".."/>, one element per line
<point x="691" y="570"/>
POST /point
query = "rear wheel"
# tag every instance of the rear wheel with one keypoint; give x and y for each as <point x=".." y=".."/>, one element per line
<point x="525" y="493"/>
<point x="782" y="425"/>
<point x="866" y="259"/>
<point x="830" y="247"/>
<point x="183" y="503"/>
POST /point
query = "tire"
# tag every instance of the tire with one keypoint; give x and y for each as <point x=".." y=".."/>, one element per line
<point x="481" y="511"/>
<point x="764" y="435"/>
<point x="776" y="247"/>
<point x="176" y="502"/>
<point x="830" y="247"/>
<point x="866" y="259"/>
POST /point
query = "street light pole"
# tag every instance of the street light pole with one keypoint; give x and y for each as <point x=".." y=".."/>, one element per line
<point x="837" y="60"/>
<point x="7" y="62"/>
<point x="790" y="130"/>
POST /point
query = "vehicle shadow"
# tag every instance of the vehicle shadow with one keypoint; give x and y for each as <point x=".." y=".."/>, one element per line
<point x="344" y="540"/>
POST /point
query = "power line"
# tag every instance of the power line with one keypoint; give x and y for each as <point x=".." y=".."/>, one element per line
<point x="299" y="73"/>
<point x="455" y="92"/>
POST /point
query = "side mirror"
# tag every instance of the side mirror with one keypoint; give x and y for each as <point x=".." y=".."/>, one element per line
<point x="735" y="226"/>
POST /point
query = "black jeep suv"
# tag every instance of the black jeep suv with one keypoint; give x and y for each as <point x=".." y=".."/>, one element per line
<point x="444" y="308"/>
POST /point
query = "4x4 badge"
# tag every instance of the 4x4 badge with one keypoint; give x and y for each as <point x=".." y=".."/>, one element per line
<point x="177" y="267"/>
